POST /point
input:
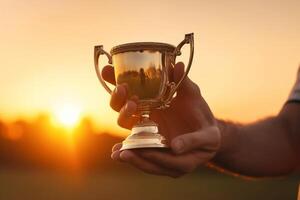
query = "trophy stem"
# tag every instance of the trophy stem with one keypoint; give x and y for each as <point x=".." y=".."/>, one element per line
<point x="145" y="118"/>
<point x="144" y="134"/>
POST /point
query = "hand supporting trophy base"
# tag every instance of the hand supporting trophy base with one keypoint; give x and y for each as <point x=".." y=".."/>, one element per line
<point x="145" y="69"/>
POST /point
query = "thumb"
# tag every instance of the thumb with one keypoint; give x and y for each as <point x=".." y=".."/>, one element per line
<point x="207" y="139"/>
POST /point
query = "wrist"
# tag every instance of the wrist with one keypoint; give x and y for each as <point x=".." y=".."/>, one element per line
<point x="229" y="137"/>
<point x="225" y="156"/>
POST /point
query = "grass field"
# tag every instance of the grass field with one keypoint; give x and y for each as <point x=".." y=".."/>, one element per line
<point x="134" y="185"/>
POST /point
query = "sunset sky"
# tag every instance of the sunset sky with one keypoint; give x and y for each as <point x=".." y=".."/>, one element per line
<point x="246" y="52"/>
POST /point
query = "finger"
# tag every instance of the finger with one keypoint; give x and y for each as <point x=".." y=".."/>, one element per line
<point x="108" y="74"/>
<point x="184" y="163"/>
<point x="116" y="156"/>
<point x="118" y="98"/>
<point x="116" y="147"/>
<point x="126" y="118"/>
<point x="187" y="87"/>
<point x="206" y="139"/>
<point x="146" y="166"/>
<point x="178" y="71"/>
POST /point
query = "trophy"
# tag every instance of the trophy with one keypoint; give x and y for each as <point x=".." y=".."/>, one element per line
<point x="145" y="68"/>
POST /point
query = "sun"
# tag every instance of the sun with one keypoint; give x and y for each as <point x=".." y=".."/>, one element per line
<point x="68" y="115"/>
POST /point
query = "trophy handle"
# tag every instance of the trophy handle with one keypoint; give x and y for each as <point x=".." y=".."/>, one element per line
<point x="98" y="50"/>
<point x="188" y="39"/>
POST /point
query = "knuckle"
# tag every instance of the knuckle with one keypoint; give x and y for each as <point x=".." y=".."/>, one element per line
<point x="196" y="88"/>
<point x="193" y="87"/>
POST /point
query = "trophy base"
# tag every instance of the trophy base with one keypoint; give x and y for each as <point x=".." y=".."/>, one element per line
<point x="144" y="136"/>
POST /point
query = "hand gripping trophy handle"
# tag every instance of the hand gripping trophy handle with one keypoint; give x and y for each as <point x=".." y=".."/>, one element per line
<point x="97" y="52"/>
<point x="189" y="39"/>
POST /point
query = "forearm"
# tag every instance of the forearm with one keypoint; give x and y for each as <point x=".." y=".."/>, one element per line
<point x="259" y="149"/>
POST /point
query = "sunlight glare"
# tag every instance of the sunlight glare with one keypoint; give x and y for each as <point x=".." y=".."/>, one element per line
<point x="68" y="115"/>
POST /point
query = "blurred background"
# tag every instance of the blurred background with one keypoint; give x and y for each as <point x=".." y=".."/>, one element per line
<point x="56" y="127"/>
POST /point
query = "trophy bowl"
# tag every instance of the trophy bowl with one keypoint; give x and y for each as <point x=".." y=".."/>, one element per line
<point x="145" y="68"/>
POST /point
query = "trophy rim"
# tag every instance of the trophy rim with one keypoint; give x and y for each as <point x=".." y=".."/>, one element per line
<point x="141" y="46"/>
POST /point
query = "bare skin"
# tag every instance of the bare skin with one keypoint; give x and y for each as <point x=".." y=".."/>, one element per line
<point x="266" y="148"/>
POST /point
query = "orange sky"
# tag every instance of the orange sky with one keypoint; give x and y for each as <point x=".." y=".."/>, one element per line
<point x="246" y="52"/>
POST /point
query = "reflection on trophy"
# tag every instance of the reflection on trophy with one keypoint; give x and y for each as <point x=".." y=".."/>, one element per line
<point x="145" y="68"/>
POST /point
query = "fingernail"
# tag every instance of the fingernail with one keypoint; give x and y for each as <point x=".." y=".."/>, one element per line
<point x="113" y="156"/>
<point x="116" y="147"/>
<point x="178" y="145"/>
